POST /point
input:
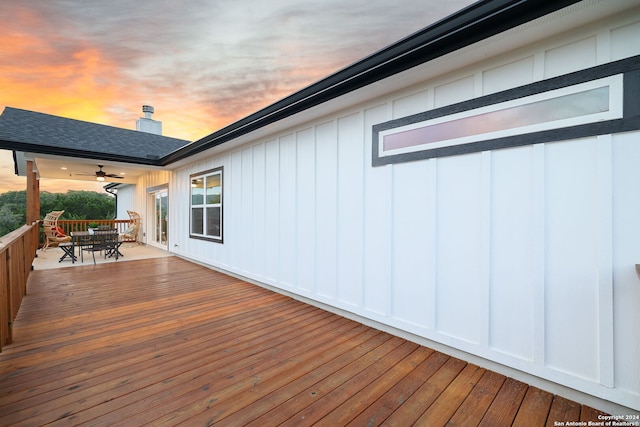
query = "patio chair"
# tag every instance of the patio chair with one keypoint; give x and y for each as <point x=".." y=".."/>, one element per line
<point x="131" y="233"/>
<point x="53" y="235"/>
<point x="102" y="241"/>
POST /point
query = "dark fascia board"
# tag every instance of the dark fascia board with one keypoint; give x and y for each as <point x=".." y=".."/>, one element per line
<point x="57" y="151"/>
<point x="470" y="25"/>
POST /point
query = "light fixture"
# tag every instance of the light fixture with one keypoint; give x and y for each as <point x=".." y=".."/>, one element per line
<point x="100" y="178"/>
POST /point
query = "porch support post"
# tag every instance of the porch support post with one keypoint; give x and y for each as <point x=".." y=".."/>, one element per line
<point x="33" y="194"/>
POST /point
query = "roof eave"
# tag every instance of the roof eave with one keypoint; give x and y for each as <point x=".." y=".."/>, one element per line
<point x="57" y="151"/>
<point x="470" y="25"/>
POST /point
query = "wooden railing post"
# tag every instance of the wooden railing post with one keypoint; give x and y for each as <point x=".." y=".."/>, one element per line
<point x="33" y="195"/>
<point x="5" y="305"/>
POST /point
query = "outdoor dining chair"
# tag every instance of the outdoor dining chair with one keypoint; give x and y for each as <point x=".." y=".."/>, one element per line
<point x="103" y="241"/>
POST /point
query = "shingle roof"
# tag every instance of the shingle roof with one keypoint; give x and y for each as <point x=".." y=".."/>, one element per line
<point x="29" y="131"/>
<point x="478" y="21"/>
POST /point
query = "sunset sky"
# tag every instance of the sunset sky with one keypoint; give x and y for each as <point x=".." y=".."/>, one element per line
<point x="201" y="63"/>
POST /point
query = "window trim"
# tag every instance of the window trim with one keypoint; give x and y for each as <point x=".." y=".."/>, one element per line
<point x="627" y="70"/>
<point x="500" y="112"/>
<point x="210" y="172"/>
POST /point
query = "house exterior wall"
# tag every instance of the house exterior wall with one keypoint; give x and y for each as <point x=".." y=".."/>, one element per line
<point x="126" y="201"/>
<point x="524" y="256"/>
<point x="136" y="198"/>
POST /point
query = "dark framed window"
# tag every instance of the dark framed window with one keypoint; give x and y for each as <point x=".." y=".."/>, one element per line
<point x="206" y="205"/>
<point x="594" y="101"/>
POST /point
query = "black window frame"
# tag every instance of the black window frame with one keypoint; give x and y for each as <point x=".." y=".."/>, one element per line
<point x="204" y="205"/>
<point x="630" y="121"/>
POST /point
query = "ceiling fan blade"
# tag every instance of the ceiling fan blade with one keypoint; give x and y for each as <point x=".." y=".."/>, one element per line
<point x="101" y="173"/>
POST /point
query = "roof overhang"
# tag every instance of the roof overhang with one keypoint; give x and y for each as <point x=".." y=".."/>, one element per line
<point x="65" y="148"/>
<point x="482" y="29"/>
<point x="474" y="23"/>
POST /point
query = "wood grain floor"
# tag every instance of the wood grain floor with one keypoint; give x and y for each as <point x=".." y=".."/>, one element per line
<point x="168" y="342"/>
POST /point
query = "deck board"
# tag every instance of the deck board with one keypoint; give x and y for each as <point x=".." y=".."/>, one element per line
<point x="504" y="407"/>
<point x="168" y="342"/>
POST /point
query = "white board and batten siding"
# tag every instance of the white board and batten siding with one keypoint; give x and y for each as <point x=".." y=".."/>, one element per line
<point x="523" y="256"/>
<point x="136" y="197"/>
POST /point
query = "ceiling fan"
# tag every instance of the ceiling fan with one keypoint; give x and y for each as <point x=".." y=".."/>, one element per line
<point x="101" y="175"/>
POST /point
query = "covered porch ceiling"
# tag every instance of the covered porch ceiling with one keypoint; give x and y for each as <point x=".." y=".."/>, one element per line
<point x="81" y="169"/>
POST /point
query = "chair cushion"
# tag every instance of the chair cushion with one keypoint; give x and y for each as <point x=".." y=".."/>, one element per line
<point x="131" y="231"/>
<point x="59" y="232"/>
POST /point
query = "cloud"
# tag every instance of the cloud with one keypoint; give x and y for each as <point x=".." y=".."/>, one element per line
<point x="202" y="64"/>
<point x="229" y="57"/>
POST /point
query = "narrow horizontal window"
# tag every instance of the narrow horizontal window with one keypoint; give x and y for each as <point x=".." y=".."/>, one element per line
<point x="583" y="103"/>
<point x="418" y="136"/>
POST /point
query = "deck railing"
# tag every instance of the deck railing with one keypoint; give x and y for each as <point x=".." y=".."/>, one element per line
<point x="17" y="251"/>
<point x="71" y="225"/>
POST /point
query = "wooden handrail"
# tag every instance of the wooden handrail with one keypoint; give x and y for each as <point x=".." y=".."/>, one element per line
<point x="71" y="225"/>
<point x="17" y="251"/>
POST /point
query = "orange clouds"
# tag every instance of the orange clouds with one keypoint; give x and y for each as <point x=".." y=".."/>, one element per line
<point x="45" y="74"/>
<point x="42" y="69"/>
<point x="202" y="68"/>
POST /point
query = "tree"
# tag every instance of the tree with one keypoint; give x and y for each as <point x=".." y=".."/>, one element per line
<point x="12" y="211"/>
<point x="9" y="219"/>
<point x="79" y="204"/>
<point x="83" y="205"/>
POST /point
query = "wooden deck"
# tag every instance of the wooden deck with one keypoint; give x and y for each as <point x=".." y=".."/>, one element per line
<point x="168" y="342"/>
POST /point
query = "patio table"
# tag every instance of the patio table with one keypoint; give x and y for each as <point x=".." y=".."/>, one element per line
<point x="85" y="238"/>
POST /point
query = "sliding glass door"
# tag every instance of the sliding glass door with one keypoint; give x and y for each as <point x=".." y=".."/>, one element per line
<point x="160" y="218"/>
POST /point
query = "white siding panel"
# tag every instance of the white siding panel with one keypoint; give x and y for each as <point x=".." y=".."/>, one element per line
<point x="326" y="209"/>
<point x="624" y="41"/>
<point x="377" y="226"/>
<point x="626" y="250"/>
<point x="512" y="283"/>
<point x="412" y="238"/>
<point x="516" y="73"/>
<point x="258" y="212"/>
<point x="233" y="223"/>
<point x="571" y="254"/>
<point x="178" y="225"/>
<point x="306" y="218"/>
<point x="459" y="270"/>
<point x="604" y="247"/>
<point x="572" y="57"/>
<point x="126" y="201"/>
<point x="272" y="210"/>
<point x="350" y="209"/>
<point x="246" y="242"/>
<point x="456" y="91"/>
<point x="412" y="104"/>
<point x="288" y="218"/>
